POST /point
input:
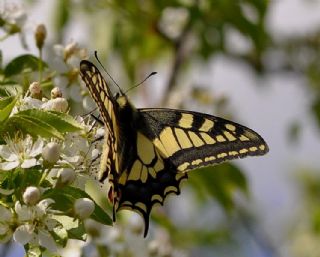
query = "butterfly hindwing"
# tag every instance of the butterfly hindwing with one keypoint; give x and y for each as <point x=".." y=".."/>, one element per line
<point x="149" y="180"/>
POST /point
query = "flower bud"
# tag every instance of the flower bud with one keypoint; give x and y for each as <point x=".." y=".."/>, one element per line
<point x="136" y="224"/>
<point x="66" y="177"/>
<point x="55" y="93"/>
<point x="58" y="104"/>
<point x="40" y="35"/>
<point x="35" y="90"/>
<point x="31" y="195"/>
<point x="95" y="154"/>
<point x="51" y="152"/>
<point x="83" y="208"/>
<point x="93" y="228"/>
<point x="153" y="248"/>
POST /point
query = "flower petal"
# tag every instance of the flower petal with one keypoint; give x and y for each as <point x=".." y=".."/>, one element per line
<point x="4" y="228"/>
<point x="36" y="148"/>
<point x="23" y="234"/>
<point x="7" y="154"/>
<point x="6" y="238"/>
<point x="45" y="203"/>
<point x="6" y="191"/>
<point x="9" y="165"/>
<point x="46" y="240"/>
<point x="72" y="159"/>
<point x="24" y="212"/>
<point x="50" y="223"/>
<point x="30" y="103"/>
<point x="5" y="214"/>
<point x="28" y="163"/>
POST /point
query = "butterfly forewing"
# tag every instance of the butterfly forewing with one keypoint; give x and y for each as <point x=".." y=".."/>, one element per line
<point x="191" y="140"/>
<point x="107" y="105"/>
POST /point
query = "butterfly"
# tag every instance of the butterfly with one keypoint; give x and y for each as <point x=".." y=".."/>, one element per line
<point x="148" y="152"/>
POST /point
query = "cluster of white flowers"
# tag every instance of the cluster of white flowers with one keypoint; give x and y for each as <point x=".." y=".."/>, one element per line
<point x="56" y="103"/>
<point x="124" y="239"/>
<point x="31" y="220"/>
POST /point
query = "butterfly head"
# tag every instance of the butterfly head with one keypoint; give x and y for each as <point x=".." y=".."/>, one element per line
<point x="121" y="99"/>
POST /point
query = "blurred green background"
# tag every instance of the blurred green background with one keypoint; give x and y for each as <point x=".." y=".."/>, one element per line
<point x="255" y="62"/>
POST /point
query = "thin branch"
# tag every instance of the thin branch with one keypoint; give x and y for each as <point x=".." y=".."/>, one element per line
<point x="179" y="57"/>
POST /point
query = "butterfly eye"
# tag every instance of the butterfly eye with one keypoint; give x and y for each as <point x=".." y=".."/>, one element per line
<point x="116" y="95"/>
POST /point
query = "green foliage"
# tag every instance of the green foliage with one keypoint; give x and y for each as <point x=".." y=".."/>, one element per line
<point x="38" y="122"/>
<point x="65" y="198"/>
<point x="6" y="106"/>
<point x="219" y="182"/>
<point x="60" y="121"/>
<point x="23" y="64"/>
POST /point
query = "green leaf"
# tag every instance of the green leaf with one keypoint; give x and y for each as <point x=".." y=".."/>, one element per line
<point x="22" y="64"/>
<point x="78" y="233"/>
<point x="60" y="235"/>
<point x="6" y="106"/>
<point x="65" y="197"/>
<point x="60" y="121"/>
<point x="74" y="227"/>
<point x="31" y="125"/>
<point x="9" y="88"/>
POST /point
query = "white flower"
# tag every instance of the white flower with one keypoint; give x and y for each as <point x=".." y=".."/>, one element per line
<point x="71" y="52"/>
<point x="36" y="223"/>
<point x="14" y="19"/>
<point x="75" y="146"/>
<point x="19" y="152"/>
<point x="83" y="208"/>
<point x="15" y="15"/>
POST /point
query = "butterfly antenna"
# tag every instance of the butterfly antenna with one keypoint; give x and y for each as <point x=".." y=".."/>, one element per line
<point x="96" y="55"/>
<point x="151" y="74"/>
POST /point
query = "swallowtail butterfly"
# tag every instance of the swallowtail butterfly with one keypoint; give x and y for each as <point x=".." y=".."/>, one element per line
<point x="148" y="152"/>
